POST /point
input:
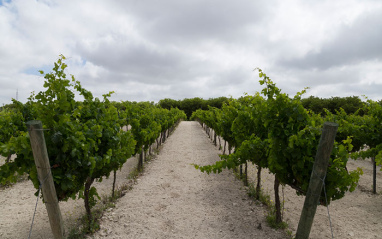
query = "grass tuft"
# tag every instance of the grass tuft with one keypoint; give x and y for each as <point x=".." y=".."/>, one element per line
<point x="265" y="199"/>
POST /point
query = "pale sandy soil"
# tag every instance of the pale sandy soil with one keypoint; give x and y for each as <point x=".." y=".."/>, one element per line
<point x="173" y="200"/>
<point x="18" y="204"/>
<point x="170" y="200"/>
<point x="2" y="159"/>
<point x="357" y="215"/>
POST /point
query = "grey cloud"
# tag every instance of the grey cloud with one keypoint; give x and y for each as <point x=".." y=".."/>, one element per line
<point x="233" y="77"/>
<point x="372" y="91"/>
<point x="320" y="82"/>
<point x="150" y="50"/>
<point x="190" y="21"/>
<point x="353" y="44"/>
<point x="134" y="60"/>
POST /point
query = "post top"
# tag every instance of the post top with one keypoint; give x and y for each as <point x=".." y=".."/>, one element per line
<point x="33" y="122"/>
<point x="331" y="124"/>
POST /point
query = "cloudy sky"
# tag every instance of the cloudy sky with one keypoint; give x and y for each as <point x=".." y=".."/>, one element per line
<point x="150" y="50"/>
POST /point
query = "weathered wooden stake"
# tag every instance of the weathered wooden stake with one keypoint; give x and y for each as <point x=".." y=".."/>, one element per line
<point x="374" y="175"/>
<point x="258" y="185"/>
<point x="320" y="167"/>
<point x="141" y="159"/>
<point x="41" y="159"/>
<point x="246" y="174"/>
<point x="114" y="181"/>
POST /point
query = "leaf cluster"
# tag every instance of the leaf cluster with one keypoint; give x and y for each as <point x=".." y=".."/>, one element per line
<point x="275" y="131"/>
<point x="84" y="139"/>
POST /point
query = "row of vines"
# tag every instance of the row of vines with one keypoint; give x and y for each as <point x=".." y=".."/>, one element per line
<point x="85" y="139"/>
<point x="273" y="130"/>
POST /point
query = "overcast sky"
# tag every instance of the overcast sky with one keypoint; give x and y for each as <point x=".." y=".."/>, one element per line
<point x="151" y="50"/>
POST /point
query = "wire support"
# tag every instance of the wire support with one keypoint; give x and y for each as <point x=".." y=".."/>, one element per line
<point x="326" y="200"/>
<point x="35" y="208"/>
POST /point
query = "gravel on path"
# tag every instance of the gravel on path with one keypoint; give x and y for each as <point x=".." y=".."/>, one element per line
<point x="174" y="200"/>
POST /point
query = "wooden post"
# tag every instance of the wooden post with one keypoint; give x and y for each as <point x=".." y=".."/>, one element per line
<point x="41" y="159"/>
<point x="320" y="167"/>
<point x="246" y="174"/>
<point x="140" y="161"/>
<point x="374" y="175"/>
<point x="164" y="136"/>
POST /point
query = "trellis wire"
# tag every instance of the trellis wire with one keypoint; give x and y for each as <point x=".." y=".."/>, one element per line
<point x="35" y="209"/>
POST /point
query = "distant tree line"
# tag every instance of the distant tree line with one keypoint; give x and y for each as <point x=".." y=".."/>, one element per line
<point x="318" y="105"/>
<point x="193" y="104"/>
<point x="350" y="104"/>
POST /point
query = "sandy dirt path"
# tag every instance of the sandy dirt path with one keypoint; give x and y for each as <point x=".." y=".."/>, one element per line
<point x="18" y="204"/>
<point x="171" y="200"/>
<point x="174" y="200"/>
<point x="355" y="216"/>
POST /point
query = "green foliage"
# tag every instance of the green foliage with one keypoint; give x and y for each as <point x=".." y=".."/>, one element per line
<point x="148" y="121"/>
<point x="265" y="199"/>
<point x="11" y="125"/>
<point x="271" y="220"/>
<point x="84" y="139"/>
<point x="191" y="105"/>
<point x="369" y="129"/>
<point x="350" y="104"/>
<point x="275" y="131"/>
<point x="169" y="103"/>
